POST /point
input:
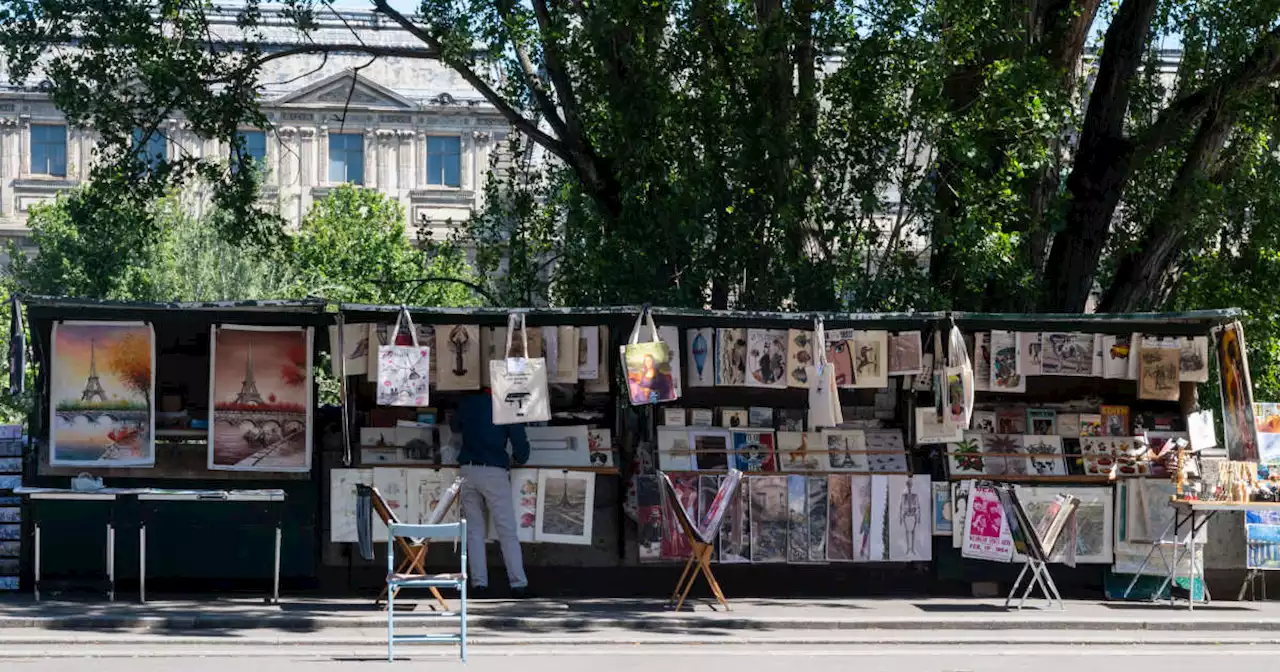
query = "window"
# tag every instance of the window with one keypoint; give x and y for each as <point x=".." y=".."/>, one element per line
<point x="153" y="149"/>
<point x="346" y="158"/>
<point x="444" y="161"/>
<point x="49" y="150"/>
<point x="255" y="146"/>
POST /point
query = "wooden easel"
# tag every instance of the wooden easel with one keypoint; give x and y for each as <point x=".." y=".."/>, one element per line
<point x="703" y="541"/>
<point x="414" y="552"/>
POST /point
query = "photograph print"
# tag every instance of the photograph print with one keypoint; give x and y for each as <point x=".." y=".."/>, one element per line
<point x="1067" y="354"/>
<point x="102" y="395"/>
<point x="260" y="389"/>
<point x="565" y="506"/>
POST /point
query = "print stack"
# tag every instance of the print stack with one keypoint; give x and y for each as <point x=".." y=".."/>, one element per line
<point x="778" y="358"/>
<point x="794" y="518"/>
<point x="979" y="527"/>
<point x="552" y="506"/>
<point x="710" y="449"/>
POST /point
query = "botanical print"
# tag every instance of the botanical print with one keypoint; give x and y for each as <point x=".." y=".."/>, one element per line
<point x="1239" y="431"/>
<point x="1115" y="420"/>
<point x="1115" y="357"/>
<point x="880" y="508"/>
<point x="404" y="375"/>
<point x="701" y="356"/>
<point x="753" y="451"/>
<point x="910" y="518"/>
<point x="982" y="362"/>
<point x="524" y="493"/>
<point x="817" y="502"/>
<point x="393" y="485"/>
<point x="1011" y="446"/>
<point x="1194" y="359"/>
<point x="839" y="518"/>
<point x="986" y="534"/>
<point x="561" y="446"/>
<point x="797" y="519"/>
<point x="1067" y="354"/>
<point x="674" y="450"/>
<point x="565" y="507"/>
<point x="458" y="350"/>
<point x="731" y="357"/>
<point x="1030" y="349"/>
<point x="260" y="386"/>
<point x="355" y="349"/>
<point x="942" y="512"/>
<point x="102" y="394"/>
<point x="840" y="355"/>
<point x="1042" y="421"/>
<point x="1045" y="453"/>
<point x="1006" y="376"/>
<point x="798" y="451"/>
<point x="342" y="503"/>
<point x="904" y="353"/>
<point x="711" y="448"/>
<point x="799" y="356"/>
<point x="767" y="358"/>
<point x="846" y="449"/>
<point x="870" y="359"/>
<point x="588" y="353"/>
<point x="735" y="532"/>
<point x="769" y="519"/>
<point x="1159" y="365"/>
<point x="861" y="498"/>
<point x="650" y="375"/>
<point x="600" y="447"/>
<point x="965" y="456"/>
<point x="649" y="517"/>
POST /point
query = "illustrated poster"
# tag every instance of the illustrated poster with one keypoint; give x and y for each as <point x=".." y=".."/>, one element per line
<point x="701" y="358"/>
<point x="458" y="352"/>
<point x="767" y="358"/>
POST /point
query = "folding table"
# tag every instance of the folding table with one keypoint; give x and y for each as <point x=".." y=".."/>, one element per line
<point x="105" y="496"/>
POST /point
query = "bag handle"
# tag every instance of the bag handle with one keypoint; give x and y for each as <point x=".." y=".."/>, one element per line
<point x="413" y="333"/>
<point x="512" y="320"/>
<point x="640" y="319"/>
<point x="819" y="342"/>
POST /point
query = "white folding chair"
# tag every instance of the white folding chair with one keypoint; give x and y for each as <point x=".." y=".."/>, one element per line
<point x="395" y="581"/>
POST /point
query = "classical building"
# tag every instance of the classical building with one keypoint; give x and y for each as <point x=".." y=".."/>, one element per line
<point x="409" y="128"/>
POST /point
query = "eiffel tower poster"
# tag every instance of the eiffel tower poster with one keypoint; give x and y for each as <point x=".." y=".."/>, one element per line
<point x="261" y="392"/>
<point x="102" y="394"/>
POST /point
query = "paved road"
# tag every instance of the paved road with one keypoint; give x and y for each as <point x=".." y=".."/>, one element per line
<point x="691" y="659"/>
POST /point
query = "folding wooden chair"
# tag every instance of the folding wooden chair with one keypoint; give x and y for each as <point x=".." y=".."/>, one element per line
<point x="702" y="537"/>
<point x="396" y="580"/>
<point x="413" y="550"/>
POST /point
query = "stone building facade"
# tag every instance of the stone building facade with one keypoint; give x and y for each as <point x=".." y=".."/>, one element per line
<point x="409" y="128"/>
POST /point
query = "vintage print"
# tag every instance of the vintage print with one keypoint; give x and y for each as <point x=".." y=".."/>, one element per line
<point x="910" y="518"/>
<point x="735" y="418"/>
<point x="860" y="488"/>
<point x="930" y="428"/>
<point x="797" y="519"/>
<point x="1067" y="354"/>
<point x="260" y="386"/>
<point x="735" y="532"/>
<point x="839" y="518"/>
<point x="708" y="488"/>
<point x="942" y="515"/>
<point x="524" y="494"/>
<point x="565" y="507"/>
<point x="870" y="359"/>
<point x="701" y="344"/>
<point x="427" y="488"/>
<point x="458" y="353"/>
<point x="355" y="349"/>
<point x="983" y="421"/>
<point x="1046" y="455"/>
<point x="1005" y="455"/>
<point x="731" y="357"/>
<point x="1159" y="364"/>
<point x="846" y="450"/>
<point x="1194" y="359"/>
<point x="1115" y="421"/>
<point x="767" y="358"/>
<point x="965" y="456"/>
<point x="905" y="351"/>
<point x="564" y="368"/>
<point x="102" y="395"/>
<point x="602" y="382"/>
<point x="1030" y="349"/>
<point x="671" y="336"/>
<point x="1006" y="376"/>
<point x="1042" y="421"/>
<point x="986" y="535"/>
<point x="1239" y="429"/>
<point x="769" y="519"/>
<point x="753" y="451"/>
<point x="760" y="417"/>
<point x="799" y="451"/>
<point x="392" y="483"/>
<point x="799" y="356"/>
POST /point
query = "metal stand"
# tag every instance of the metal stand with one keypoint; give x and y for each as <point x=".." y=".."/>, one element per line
<point x="1182" y="545"/>
<point x="1039" y="576"/>
<point x="1255" y="577"/>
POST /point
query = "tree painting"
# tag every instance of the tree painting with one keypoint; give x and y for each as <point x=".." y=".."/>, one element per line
<point x="129" y="358"/>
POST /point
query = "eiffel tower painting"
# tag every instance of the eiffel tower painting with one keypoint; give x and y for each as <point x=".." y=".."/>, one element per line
<point x="248" y="394"/>
<point x="93" y="387"/>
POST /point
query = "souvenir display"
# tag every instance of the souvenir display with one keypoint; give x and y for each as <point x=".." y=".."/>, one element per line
<point x="519" y="384"/>
<point x="404" y="371"/>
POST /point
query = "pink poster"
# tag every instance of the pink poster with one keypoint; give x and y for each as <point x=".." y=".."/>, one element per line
<point x="986" y="534"/>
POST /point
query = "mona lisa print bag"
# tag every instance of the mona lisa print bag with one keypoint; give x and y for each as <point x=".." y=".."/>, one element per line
<point x="650" y="377"/>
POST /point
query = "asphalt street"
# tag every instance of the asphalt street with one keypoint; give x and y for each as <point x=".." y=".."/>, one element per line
<point x="747" y="658"/>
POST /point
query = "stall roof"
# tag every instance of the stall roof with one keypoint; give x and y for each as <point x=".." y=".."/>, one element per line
<point x="284" y="305"/>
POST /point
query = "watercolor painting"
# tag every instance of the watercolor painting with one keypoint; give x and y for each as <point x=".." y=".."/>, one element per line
<point x="260" y="386"/>
<point x="731" y="357"/>
<point x="799" y="356"/>
<point x="565" y="506"/>
<point x="102" y="394"/>
<point x="767" y="358"/>
<point x="839" y="518"/>
<point x="735" y="530"/>
<point x="860" y="489"/>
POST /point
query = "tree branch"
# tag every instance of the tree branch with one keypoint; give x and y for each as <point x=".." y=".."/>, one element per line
<point x="559" y="75"/>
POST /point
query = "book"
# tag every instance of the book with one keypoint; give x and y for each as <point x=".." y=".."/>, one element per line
<point x="1115" y="421"/>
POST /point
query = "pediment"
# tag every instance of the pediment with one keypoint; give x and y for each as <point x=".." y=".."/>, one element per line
<point x="347" y="86"/>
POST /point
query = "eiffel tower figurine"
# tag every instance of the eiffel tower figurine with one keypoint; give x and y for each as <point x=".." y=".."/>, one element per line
<point x="93" y="388"/>
<point x="248" y="388"/>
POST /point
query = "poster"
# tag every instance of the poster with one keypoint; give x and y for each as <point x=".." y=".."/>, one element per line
<point x="588" y="353"/>
<point x="701" y="357"/>
<point x="458" y="357"/>
<point x="840" y="355"/>
<point x="649" y="514"/>
<point x="767" y="358"/>
<point x="1238" y="427"/>
<point x="986" y="534"/>
<point x="1159" y="364"/>
<point x="910" y="513"/>
<point x="102" y="395"/>
<point x="1006" y="375"/>
<point x="731" y="357"/>
<point x="565" y="507"/>
<point x="260" y="386"/>
<point x="355" y="349"/>
<point x="905" y="351"/>
<point x="799" y="355"/>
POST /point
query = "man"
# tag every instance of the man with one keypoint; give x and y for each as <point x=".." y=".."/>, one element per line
<point x="487" y="485"/>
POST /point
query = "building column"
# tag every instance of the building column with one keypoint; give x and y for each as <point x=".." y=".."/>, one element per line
<point x="386" y="159"/>
<point x="420" y="164"/>
<point x="405" y="154"/>
<point x="24" y="146"/>
<point x="307" y="157"/>
<point x="467" y="159"/>
<point x="322" y="155"/>
<point x="8" y="128"/>
<point x="370" y="159"/>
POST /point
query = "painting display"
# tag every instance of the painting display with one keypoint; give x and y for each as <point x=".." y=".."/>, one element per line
<point x="102" y="394"/>
<point x="839" y="518"/>
<point x="1239" y="430"/>
<point x="566" y="503"/>
<point x="524" y="494"/>
<point x="905" y="351"/>
<point x="701" y="350"/>
<point x="1006" y="375"/>
<point x="260" y="389"/>
<point x="458" y="357"/>
<point x="869" y="350"/>
<point x="731" y="357"/>
<point x="1159" y="364"/>
<point x="797" y="519"/>
<point x="675" y="543"/>
<point x="799" y="356"/>
<point x="769" y="519"/>
<point x="355" y="349"/>
<point x="1067" y="354"/>
<point x="767" y="358"/>
<point x="342" y="502"/>
<point x="910" y="514"/>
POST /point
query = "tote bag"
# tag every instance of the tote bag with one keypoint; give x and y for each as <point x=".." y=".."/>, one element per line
<point x="404" y="371"/>
<point x="824" y="397"/>
<point x="519" y="384"/>
<point x="650" y="375"/>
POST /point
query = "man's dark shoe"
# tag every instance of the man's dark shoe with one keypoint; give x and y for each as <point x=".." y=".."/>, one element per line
<point x="521" y="593"/>
<point x="479" y="593"/>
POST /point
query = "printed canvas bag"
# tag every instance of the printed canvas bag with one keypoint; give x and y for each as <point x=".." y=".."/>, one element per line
<point x="650" y="374"/>
<point x="519" y="384"/>
<point x="404" y="371"/>
<point x="824" y="397"/>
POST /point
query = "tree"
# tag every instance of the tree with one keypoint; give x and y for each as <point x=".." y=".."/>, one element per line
<point x="130" y="358"/>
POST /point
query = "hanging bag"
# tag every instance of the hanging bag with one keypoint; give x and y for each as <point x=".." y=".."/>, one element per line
<point x="650" y="376"/>
<point x="824" y="397"/>
<point x="519" y="384"/>
<point x="404" y="370"/>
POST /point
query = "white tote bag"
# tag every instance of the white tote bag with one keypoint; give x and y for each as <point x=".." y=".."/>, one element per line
<point x="824" y="397"/>
<point x="404" y="371"/>
<point x="519" y="384"/>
